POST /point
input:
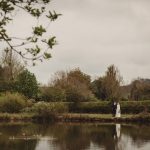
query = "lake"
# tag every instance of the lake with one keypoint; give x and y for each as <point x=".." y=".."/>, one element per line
<point x="74" y="136"/>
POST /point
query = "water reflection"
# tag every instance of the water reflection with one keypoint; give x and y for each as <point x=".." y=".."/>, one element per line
<point x="74" y="137"/>
<point x="117" y="137"/>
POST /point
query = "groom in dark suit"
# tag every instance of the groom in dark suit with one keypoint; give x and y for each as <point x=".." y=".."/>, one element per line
<point x="114" y="107"/>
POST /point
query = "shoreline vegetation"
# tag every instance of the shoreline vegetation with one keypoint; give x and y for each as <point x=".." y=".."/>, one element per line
<point x="71" y="96"/>
<point x="15" y="107"/>
<point x="76" y="117"/>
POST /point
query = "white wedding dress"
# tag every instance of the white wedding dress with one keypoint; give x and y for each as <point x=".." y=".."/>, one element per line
<point x="118" y="111"/>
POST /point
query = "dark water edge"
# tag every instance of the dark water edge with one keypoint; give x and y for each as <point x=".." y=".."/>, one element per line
<point x="81" y="118"/>
<point x="74" y="136"/>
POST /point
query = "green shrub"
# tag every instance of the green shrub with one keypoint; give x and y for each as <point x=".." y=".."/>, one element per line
<point x="12" y="102"/>
<point x="26" y="84"/>
<point x="135" y="107"/>
<point x="49" y="110"/>
<point x="52" y="94"/>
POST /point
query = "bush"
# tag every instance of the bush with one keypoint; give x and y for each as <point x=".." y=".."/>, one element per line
<point x="12" y="102"/>
<point x="49" y="110"/>
<point x="52" y="94"/>
<point x="135" y="107"/>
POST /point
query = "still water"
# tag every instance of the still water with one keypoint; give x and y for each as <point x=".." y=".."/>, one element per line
<point x="71" y="136"/>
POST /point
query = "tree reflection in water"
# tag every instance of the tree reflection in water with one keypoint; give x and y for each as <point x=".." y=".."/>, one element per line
<point x="74" y="136"/>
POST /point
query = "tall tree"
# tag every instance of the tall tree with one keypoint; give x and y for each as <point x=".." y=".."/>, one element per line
<point x="75" y="83"/>
<point x="108" y="86"/>
<point x="10" y="68"/>
<point x="97" y="88"/>
<point x="78" y="86"/>
<point x="140" y="89"/>
<point x="27" y="47"/>
<point x="11" y="64"/>
<point x="26" y="84"/>
<point x="112" y="81"/>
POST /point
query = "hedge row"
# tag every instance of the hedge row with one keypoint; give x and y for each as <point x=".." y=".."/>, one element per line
<point x="127" y="107"/>
<point x="14" y="103"/>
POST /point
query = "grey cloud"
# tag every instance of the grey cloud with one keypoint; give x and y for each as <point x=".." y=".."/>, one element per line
<point x="93" y="34"/>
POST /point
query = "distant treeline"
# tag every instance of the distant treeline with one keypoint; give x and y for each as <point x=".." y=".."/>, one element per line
<point x="69" y="86"/>
<point x="76" y="86"/>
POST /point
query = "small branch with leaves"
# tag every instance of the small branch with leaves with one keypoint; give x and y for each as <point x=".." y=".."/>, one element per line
<point x="28" y="47"/>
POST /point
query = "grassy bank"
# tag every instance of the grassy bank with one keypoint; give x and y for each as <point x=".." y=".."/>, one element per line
<point x="16" y="117"/>
<point x="14" y="107"/>
<point x="75" y="117"/>
<point x="140" y="118"/>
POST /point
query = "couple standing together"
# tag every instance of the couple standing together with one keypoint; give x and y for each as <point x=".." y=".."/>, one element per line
<point x="116" y="109"/>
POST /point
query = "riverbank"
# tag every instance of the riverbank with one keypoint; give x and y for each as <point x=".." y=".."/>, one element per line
<point x="140" y="118"/>
<point x="72" y="117"/>
<point x="8" y="117"/>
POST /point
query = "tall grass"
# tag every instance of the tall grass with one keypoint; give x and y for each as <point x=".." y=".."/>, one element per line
<point x="12" y="102"/>
<point x="48" y="111"/>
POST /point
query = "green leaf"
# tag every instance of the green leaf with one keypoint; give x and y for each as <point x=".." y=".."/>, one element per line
<point x="47" y="55"/>
<point x="53" y="16"/>
<point x="39" y="30"/>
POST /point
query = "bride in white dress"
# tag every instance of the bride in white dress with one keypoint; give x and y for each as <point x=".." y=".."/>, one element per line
<point x="118" y="111"/>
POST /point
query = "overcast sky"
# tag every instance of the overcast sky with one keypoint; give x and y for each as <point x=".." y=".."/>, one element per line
<point x="93" y="34"/>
